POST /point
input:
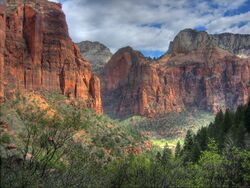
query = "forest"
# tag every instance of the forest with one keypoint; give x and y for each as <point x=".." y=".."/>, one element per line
<point x="75" y="147"/>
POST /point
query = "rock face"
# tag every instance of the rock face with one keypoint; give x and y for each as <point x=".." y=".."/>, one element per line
<point x="235" y="43"/>
<point x="95" y="53"/>
<point x="2" y="41"/>
<point x="188" y="40"/>
<point x="196" y="72"/>
<point x="39" y="53"/>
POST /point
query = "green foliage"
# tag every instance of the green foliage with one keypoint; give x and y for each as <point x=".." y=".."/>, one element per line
<point x="228" y="129"/>
<point x="62" y="149"/>
<point x="5" y="138"/>
<point x="247" y="117"/>
<point x="78" y="148"/>
<point x="172" y="125"/>
<point x="177" y="150"/>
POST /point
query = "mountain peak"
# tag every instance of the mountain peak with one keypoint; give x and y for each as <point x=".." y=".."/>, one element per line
<point x="96" y="53"/>
<point x="188" y="40"/>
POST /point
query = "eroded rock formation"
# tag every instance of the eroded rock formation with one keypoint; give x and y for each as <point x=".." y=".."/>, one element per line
<point x="196" y="72"/>
<point x="96" y="53"/>
<point x="39" y="53"/>
<point x="188" y="40"/>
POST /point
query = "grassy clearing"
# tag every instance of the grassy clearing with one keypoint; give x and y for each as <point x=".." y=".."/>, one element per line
<point x="160" y="142"/>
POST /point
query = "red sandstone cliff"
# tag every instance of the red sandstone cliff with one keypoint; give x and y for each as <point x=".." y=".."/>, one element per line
<point x="196" y="73"/>
<point x="2" y="41"/>
<point x="39" y="53"/>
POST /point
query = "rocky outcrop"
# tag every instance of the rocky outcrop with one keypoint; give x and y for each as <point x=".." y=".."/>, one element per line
<point x="188" y="40"/>
<point x="95" y="53"/>
<point x="238" y="44"/>
<point x="39" y="53"/>
<point x="195" y="72"/>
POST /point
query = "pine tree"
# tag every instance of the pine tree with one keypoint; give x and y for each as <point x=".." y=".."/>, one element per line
<point x="188" y="146"/>
<point x="196" y="152"/>
<point x="202" y="138"/>
<point x="188" y="142"/>
<point x="178" y="150"/>
<point x="239" y="115"/>
<point x="228" y="121"/>
<point x="247" y="117"/>
<point x="219" y="117"/>
<point x="240" y="136"/>
<point x="158" y="156"/>
<point x="166" y="155"/>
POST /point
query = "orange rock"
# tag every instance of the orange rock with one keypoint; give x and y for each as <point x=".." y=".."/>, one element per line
<point x="148" y="145"/>
<point x="195" y="79"/>
<point x="2" y="44"/>
<point x="39" y="53"/>
<point x="95" y="93"/>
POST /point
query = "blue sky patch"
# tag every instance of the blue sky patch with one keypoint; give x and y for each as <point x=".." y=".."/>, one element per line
<point x="154" y="25"/>
<point x="152" y="53"/>
<point x="200" y="28"/>
<point x="119" y="23"/>
<point x="240" y="24"/>
<point x="242" y="9"/>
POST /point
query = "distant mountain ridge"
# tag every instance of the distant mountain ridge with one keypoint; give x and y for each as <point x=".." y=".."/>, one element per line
<point x="96" y="53"/>
<point x="189" y="39"/>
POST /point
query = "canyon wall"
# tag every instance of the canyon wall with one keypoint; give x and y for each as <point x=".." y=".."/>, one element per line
<point x="2" y="44"/>
<point x="196" y="72"/>
<point x="40" y="55"/>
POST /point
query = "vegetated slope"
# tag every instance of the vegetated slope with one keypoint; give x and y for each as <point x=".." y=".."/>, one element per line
<point x="200" y="71"/>
<point x="39" y="54"/>
<point x="229" y="129"/>
<point x="171" y="125"/>
<point x="91" y="130"/>
<point x="96" y="54"/>
<point x="63" y="146"/>
<point x="45" y="135"/>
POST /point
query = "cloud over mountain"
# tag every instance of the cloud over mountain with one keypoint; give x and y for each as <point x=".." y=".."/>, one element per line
<point x="150" y="25"/>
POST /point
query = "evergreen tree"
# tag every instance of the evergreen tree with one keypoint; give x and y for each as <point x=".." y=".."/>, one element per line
<point x="228" y="121"/>
<point x="240" y="136"/>
<point x="219" y="117"/>
<point x="188" y="142"/>
<point x="166" y="155"/>
<point x="247" y="117"/>
<point x="188" y="146"/>
<point x="239" y="115"/>
<point x="158" y="156"/>
<point x="202" y="138"/>
<point x="178" y="150"/>
<point x="196" y="152"/>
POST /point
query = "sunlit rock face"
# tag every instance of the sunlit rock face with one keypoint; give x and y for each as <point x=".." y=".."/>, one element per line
<point x="39" y="54"/>
<point x="196" y="72"/>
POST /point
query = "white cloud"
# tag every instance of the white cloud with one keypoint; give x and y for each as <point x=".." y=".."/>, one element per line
<point x="57" y="1"/>
<point x="120" y="23"/>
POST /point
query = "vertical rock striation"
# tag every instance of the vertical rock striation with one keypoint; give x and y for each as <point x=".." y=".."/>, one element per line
<point x="39" y="53"/>
<point x="2" y="41"/>
<point x="198" y="71"/>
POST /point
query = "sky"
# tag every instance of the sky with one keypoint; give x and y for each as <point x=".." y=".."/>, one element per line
<point x="150" y="25"/>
